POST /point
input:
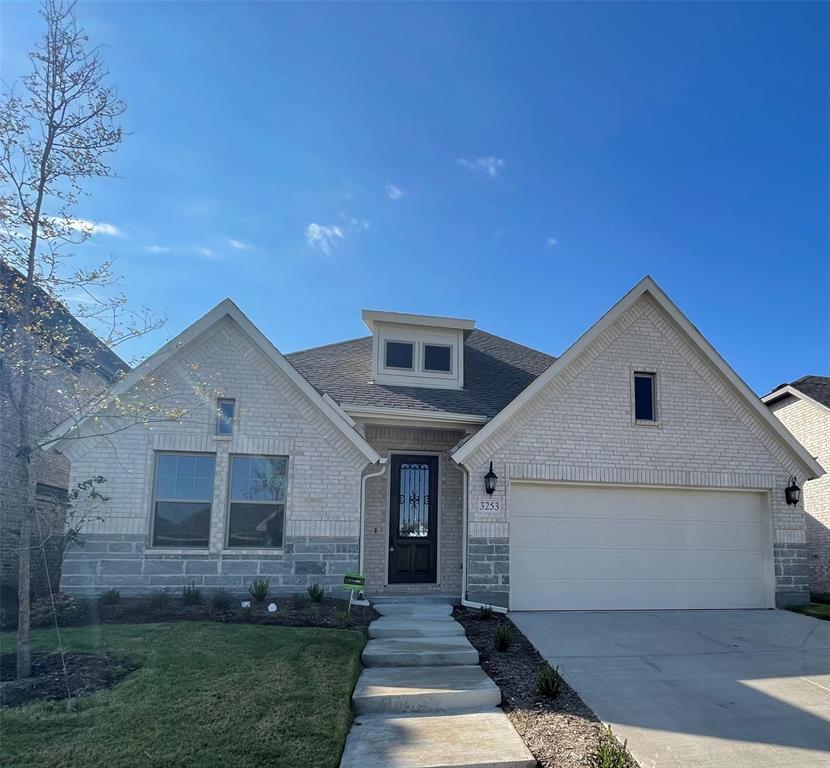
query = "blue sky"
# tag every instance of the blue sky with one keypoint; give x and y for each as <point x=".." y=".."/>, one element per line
<point x="521" y="165"/>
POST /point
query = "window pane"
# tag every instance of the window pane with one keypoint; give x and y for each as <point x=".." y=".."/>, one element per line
<point x="643" y="397"/>
<point x="258" y="478"/>
<point x="184" y="477"/>
<point x="255" y="525"/>
<point x="225" y="416"/>
<point x="167" y="465"/>
<point x="436" y="358"/>
<point x="165" y="487"/>
<point x="181" y="524"/>
<point x="398" y="355"/>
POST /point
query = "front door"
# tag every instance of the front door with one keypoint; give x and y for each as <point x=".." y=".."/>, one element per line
<point x="413" y="520"/>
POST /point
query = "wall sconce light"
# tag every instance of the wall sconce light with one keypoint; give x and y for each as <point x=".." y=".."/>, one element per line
<point x="792" y="492"/>
<point x="490" y="480"/>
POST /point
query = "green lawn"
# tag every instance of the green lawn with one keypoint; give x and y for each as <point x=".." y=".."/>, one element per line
<point x="204" y="695"/>
<point x="817" y="610"/>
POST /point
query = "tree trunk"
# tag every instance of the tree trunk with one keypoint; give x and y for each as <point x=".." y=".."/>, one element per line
<point x="24" y="571"/>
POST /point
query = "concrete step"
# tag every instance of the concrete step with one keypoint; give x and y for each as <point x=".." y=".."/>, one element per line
<point x="458" y="740"/>
<point x="424" y="689"/>
<point x="419" y="652"/>
<point x="428" y="597"/>
<point x="423" y="610"/>
<point x="412" y="626"/>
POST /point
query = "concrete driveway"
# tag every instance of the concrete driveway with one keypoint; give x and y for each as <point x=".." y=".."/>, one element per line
<point x="743" y="689"/>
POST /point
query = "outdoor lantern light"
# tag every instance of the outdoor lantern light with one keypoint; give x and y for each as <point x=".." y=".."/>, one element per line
<point x="490" y="480"/>
<point x="792" y="492"/>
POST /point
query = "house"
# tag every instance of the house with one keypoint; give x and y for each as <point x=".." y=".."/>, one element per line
<point x="635" y="471"/>
<point x="77" y="368"/>
<point x="804" y="408"/>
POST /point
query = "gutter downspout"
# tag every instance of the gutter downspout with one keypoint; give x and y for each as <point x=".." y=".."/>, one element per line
<point x="363" y="480"/>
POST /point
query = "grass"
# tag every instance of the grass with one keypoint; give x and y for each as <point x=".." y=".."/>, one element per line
<point x="205" y="695"/>
<point x="817" y="610"/>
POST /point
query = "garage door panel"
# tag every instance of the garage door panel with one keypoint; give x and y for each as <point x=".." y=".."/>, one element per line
<point x="602" y="547"/>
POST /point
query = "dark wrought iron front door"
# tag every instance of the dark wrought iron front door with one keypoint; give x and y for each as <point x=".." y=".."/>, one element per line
<point x="413" y="519"/>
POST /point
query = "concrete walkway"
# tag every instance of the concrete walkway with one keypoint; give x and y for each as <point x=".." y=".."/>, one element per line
<point x="698" y="689"/>
<point x="423" y="701"/>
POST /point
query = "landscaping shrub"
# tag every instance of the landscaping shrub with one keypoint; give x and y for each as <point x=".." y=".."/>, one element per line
<point x="502" y="637"/>
<point x="487" y="612"/>
<point x="221" y="600"/>
<point x="160" y="600"/>
<point x="191" y="594"/>
<point x="110" y="597"/>
<point x="550" y="681"/>
<point x="259" y="589"/>
<point x="315" y="592"/>
<point x="67" y="611"/>
<point x="342" y="611"/>
<point x="609" y="753"/>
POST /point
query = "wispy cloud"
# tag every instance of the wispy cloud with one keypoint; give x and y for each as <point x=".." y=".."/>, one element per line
<point x="552" y="242"/>
<point x="205" y="252"/>
<point x="490" y="166"/>
<point x="239" y="245"/>
<point x="89" y="227"/>
<point x="353" y="224"/>
<point x="393" y="192"/>
<point x="158" y="249"/>
<point x="324" y="237"/>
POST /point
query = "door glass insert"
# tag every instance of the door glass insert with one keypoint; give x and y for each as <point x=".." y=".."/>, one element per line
<point x="413" y="513"/>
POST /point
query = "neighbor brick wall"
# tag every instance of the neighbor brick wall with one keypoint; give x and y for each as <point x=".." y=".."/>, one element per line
<point x="811" y="426"/>
<point x="580" y="428"/>
<point x="385" y="440"/>
<point x="274" y="418"/>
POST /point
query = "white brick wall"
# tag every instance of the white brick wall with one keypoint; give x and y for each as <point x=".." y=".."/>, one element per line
<point x="811" y="427"/>
<point x="580" y="428"/>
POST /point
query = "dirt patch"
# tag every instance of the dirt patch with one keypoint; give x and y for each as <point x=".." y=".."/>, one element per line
<point x="560" y="732"/>
<point x="85" y="673"/>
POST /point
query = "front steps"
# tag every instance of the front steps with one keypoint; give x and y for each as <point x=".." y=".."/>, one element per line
<point x="423" y="701"/>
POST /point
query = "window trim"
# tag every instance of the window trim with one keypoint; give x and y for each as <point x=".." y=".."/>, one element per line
<point x="218" y="420"/>
<point x="226" y="546"/>
<point x="650" y="373"/>
<point x="411" y="344"/>
<point x="152" y="546"/>
<point x="433" y="371"/>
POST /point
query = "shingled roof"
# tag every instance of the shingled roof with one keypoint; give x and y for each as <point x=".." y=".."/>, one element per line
<point x="815" y="387"/>
<point x="495" y="372"/>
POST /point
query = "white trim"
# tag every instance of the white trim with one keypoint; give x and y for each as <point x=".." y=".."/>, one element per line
<point x="782" y="392"/>
<point x="645" y="286"/>
<point x="372" y="316"/>
<point x="410" y="415"/>
<point x="226" y="307"/>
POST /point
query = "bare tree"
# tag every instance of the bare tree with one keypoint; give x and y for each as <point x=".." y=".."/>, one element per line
<point x="57" y="128"/>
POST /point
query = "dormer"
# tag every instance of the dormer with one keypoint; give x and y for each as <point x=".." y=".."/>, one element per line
<point x="417" y="350"/>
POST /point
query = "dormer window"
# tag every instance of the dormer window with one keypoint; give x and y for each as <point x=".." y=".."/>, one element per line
<point x="417" y="350"/>
<point x="399" y="355"/>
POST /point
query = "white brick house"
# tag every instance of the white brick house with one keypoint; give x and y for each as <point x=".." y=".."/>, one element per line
<point x="635" y="471"/>
<point x="804" y="409"/>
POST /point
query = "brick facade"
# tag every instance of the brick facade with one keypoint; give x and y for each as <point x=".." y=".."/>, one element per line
<point x="579" y="427"/>
<point x="811" y="426"/>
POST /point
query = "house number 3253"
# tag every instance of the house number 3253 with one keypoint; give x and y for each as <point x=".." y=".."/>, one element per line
<point x="488" y="506"/>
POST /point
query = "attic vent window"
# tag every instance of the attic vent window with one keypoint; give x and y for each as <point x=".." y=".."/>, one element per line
<point x="645" y="408"/>
<point x="437" y="357"/>
<point x="399" y="355"/>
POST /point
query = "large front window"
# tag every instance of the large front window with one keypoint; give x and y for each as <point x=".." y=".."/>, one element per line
<point x="182" y="500"/>
<point x="257" y="501"/>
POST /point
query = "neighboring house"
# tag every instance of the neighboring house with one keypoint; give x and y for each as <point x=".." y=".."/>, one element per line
<point x="804" y="409"/>
<point x="80" y="366"/>
<point x="635" y="471"/>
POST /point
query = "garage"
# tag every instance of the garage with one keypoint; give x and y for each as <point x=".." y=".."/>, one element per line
<point x="591" y="547"/>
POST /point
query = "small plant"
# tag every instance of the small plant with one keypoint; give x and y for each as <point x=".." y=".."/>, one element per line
<point x="246" y="612"/>
<point x="221" y="600"/>
<point x="502" y="637"/>
<point x="259" y="589"/>
<point x="66" y="611"/>
<point x="110" y="597"/>
<point x="160" y="600"/>
<point x="609" y="753"/>
<point x="342" y="612"/>
<point x="315" y="592"/>
<point x="550" y="681"/>
<point x="298" y="601"/>
<point x="191" y="594"/>
<point x="486" y="612"/>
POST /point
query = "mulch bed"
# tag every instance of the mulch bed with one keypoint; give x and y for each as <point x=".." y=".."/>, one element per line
<point x="85" y="673"/>
<point x="560" y="732"/>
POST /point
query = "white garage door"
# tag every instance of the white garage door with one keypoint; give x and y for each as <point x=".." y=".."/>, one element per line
<point x="612" y="548"/>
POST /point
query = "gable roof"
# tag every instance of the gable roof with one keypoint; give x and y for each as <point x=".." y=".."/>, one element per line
<point x="646" y="286"/>
<point x="816" y="389"/>
<point x="227" y="308"/>
<point x="495" y="372"/>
